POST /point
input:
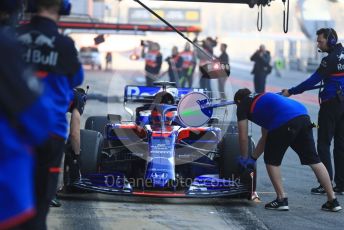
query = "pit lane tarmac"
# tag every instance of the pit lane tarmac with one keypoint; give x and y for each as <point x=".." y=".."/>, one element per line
<point x="101" y="211"/>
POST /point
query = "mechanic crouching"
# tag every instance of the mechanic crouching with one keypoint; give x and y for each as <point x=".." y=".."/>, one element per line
<point x="55" y="60"/>
<point x="286" y="125"/>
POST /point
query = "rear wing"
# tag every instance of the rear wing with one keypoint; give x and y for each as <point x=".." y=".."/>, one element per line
<point x="145" y="94"/>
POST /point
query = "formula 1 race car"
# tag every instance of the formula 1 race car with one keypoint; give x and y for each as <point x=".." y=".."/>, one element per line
<point x="157" y="153"/>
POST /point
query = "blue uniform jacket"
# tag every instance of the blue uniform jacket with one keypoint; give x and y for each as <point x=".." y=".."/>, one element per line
<point x="25" y="121"/>
<point x="56" y="62"/>
<point x="269" y="110"/>
<point x="331" y="71"/>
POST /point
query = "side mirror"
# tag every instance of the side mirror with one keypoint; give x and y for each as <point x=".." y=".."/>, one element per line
<point x="193" y="109"/>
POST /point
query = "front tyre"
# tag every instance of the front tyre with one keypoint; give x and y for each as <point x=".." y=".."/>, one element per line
<point x="91" y="144"/>
<point x="229" y="149"/>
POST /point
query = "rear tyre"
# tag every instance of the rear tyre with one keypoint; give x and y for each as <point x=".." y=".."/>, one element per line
<point x="91" y="144"/>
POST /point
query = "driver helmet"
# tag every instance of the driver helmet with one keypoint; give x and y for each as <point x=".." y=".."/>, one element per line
<point x="156" y="117"/>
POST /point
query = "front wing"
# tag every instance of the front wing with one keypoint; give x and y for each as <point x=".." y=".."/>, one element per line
<point x="201" y="187"/>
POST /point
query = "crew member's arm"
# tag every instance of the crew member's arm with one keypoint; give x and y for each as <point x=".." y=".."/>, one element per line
<point x="266" y="57"/>
<point x="307" y="84"/>
<point x="143" y="52"/>
<point x="225" y="58"/>
<point x="255" y="56"/>
<point x="242" y="116"/>
<point x="158" y="62"/>
<point x="194" y="63"/>
<point x="243" y="137"/>
<point x="74" y="69"/>
<point x="245" y="159"/>
<point x="77" y="78"/>
<point x="179" y="63"/>
<point x="75" y="131"/>
<point x="314" y="79"/>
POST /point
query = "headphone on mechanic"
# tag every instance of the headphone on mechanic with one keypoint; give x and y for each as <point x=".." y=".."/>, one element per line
<point x="331" y="38"/>
<point x="65" y="7"/>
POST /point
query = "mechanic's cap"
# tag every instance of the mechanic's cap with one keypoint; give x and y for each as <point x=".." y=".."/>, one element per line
<point x="241" y="94"/>
<point x="10" y="6"/>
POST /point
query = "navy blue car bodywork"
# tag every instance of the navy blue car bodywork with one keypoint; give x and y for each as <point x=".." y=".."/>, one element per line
<point x="163" y="160"/>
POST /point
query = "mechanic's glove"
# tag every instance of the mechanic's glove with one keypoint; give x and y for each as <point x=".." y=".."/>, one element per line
<point x="72" y="167"/>
<point x="247" y="164"/>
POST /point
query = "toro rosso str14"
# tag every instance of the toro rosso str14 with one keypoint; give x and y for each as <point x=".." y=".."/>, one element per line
<point x="156" y="153"/>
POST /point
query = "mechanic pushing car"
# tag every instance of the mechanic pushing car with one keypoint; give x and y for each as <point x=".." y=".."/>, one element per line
<point x="286" y="124"/>
<point x="24" y="123"/>
<point x="55" y="60"/>
<point x="71" y="172"/>
<point x="72" y="150"/>
<point x="331" y="113"/>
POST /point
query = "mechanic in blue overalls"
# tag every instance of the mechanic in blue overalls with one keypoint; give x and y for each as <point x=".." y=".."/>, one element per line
<point x="331" y="113"/>
<point x="71" y="172"/>
<point x="55" y="60"/>
<point x="24" y="123"/>
<point x="287" y="124"/>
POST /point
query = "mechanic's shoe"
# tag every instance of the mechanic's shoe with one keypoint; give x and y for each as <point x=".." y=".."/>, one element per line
<point x="55" y="203"/>
<point x="280" y="205"/>
<point x="318" y="190"/>
<point x="338" y="190"/>
<point x="332" y="206"/>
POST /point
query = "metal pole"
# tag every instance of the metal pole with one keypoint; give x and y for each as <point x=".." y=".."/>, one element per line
<point x="176" y="30"/>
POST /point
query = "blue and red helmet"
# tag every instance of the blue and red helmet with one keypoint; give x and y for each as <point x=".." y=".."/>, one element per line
<point x="157" y="117"/>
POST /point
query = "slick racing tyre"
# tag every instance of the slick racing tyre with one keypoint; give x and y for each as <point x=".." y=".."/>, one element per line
<point x="96" y="123"/>
<point x="91" y="144"/>
<point x="229" y="149"/>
